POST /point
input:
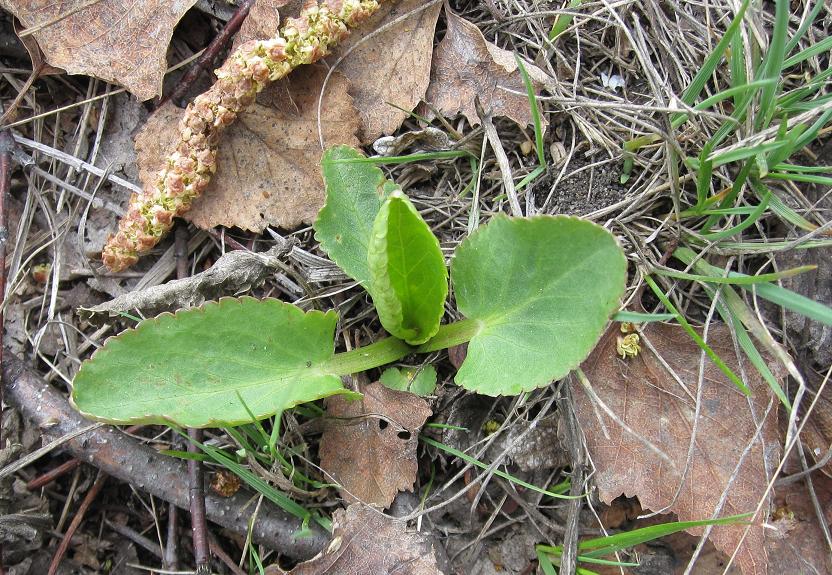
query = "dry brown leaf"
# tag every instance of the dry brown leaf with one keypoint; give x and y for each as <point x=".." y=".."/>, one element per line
<point x="119" y="41"/>
<point x="262" y="22"/>
<point x="369" y="446"/>
<point x="642" y="393"/>
<point x="269" y="162"/>
<point x="390" y="70"/>
<point x="796" y="544"/>
<point x="366" y="541"/>
<point x="465" y="66"/>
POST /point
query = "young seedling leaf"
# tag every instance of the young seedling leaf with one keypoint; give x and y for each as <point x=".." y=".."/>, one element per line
<point x="420" y="380"/>
<point x="408" y="278"/>
<point x="542" y="289"/>
<point x="355" y="192"/>
<point x="214" y="365"/>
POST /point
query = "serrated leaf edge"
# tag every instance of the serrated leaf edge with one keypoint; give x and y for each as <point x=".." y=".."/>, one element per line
<point x="223" y="301"/>
<point x="473" y="237"/>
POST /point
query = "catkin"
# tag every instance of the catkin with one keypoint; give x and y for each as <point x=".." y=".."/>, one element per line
<point x="247" y="71"/>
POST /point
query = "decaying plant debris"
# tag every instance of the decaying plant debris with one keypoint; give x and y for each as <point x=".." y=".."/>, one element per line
<point x="610" y="86"/>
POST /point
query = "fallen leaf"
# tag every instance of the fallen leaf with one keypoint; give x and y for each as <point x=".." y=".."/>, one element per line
<point x="390" y="72"/>
<point x="262" y="22"/>
<point x="466" y="66"/>
<point x="269" y="162"/>
<point x="369" y="446"/>
<point x="643" y="393"/>
<point x="796" y="543"/>
<point x="119" y="41"/>
<point x="366" y="541"/>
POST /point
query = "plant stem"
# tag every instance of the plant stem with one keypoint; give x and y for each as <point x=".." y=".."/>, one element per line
<point x="376" y="354"/>
<point x="452" y="334"/>
<point x="392" y="349"/>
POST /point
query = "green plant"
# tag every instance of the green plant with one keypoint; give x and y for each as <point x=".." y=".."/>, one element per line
<point x="536" y="294"/>
<point x="592" y="551"/>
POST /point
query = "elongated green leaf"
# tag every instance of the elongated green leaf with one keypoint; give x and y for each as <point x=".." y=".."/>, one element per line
<point x="355" y="191"/>
<point x="194" y="368"/>
<point x="541" y="291"/>
<point x="408" y="278"/>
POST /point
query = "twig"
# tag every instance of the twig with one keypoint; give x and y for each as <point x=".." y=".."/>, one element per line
<point x="71" y="161"/>
<point x="502" y="159"/>
<point x="135" y="537"/>
<point x="171" y="557"/>
<point x="6" y="145"/>
<point x="220" y="554"/>
<point x="196" y="474"/>
<point x="125" y="459"/>
<point x="53" y="474"/>
<point x="76" y="521"/>
<point x="210" y="53"/>
<point x="574" y="445"/>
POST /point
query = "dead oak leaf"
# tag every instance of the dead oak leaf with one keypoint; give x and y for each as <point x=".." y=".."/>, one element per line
<point x="389" y="72"/>
<point x="466" y="66"/>
<point x="366" y="541"/>
<point x="262" y="22"/>
<point x="369" y="445"/>
<point x="269" y="161"/>
<point x="645" y="395"/>
<point x="120" y="41"/>
<point x="795" y="541"/>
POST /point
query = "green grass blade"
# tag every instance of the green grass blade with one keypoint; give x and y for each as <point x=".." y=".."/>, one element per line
<point x="792" y="301"/>
<point x="714" y="58"/>
<point x="476" y="462"/>
<point x="563" y="21"/>
<point x="743" y="153"/>
<point x="804" y="26"/>
<point x="393" y="160"/>
<point x="822" y="47"/>
<point x="773" y="64"/>
<point x="620" y="541"/>
<point x="746" y="280"/>
<point x="747" y="222"/>
<point x="637" y="317"/>
<point x="807" y="178"/>
<point x="697" y="338"/>
<point x="535" y="109"/>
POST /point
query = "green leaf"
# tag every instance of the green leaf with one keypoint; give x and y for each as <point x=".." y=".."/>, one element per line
<point x="421" y="380"/>
<point x="541" y="290"/>
<point x="408" y="278"/>
<point x="209" y="366"/>
<point x="355" y="192"/>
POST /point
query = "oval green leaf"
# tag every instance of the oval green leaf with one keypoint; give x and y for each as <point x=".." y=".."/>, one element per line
<point x="355" y="191"/>
<point x="219" y="364"/>
<point x="408" y="278"/>
<point x="542" y="290"/>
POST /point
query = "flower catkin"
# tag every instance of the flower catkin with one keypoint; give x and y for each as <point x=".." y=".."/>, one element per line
<point x="247" y="71"/>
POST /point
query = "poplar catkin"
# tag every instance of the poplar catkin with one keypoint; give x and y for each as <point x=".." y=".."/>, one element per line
<point x="247" y="71"/>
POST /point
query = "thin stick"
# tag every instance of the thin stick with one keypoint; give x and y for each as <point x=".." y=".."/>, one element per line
<point x="196" y="473"/>
<point x="6" y="145"/>
<point x="52" y="475"/>
<point x="76" y="521"/>
<point x="209" y="55"/>
<point x="127" y="460"/>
